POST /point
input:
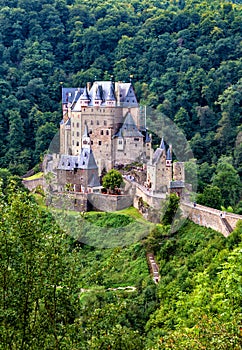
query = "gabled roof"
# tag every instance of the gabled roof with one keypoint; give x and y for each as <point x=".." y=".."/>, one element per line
<point x="85" y="161"/>
<point x="129" y="128"/>
<point x="104" y="91"/>
<point x="71" y="95"/>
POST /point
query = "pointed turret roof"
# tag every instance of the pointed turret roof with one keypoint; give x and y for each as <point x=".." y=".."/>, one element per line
<point x="98" y="93"/>
<point x="162" y="144"/>
<point x="84" y="95"/>
<point x="111" y="95"/>
<point x="168" y="154"/>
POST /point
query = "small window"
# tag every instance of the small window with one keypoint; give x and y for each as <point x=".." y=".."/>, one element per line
<point x="136" y="139"/>
<point x="91" y="122"/>
<point x="97" y="122"/>
<point x="90" y="132"/>
<point x="104" y="122"/>
<point x="77" y="143"/>
<point x="99" y="142"/>
<point x="73" y="143"/>
<point x="73" y="124"/>
<point x="104" y="110"/>
<point x="120" y="142"/>
<point x="91" y="142"/>
<point x="92" y="109"/>
<point x="107" y="132"/>
<point x="101" y="132"/>
<point x="77" y="134"/>
<point x="77" y="125"/>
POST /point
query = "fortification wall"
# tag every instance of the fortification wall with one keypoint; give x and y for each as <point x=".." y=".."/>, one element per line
<point x="32" y="184"/>
<point x="210" y="217"/>
<point x="109" y="203"/>
<point x="152" y="200"/>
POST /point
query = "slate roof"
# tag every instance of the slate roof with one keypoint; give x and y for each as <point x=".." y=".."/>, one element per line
<point x="129" y="128"/>
<point x="85" y="161"/>
<point x="168" y="154"/>
<point x="101" y="90"/>
<point x="71" y="95"/>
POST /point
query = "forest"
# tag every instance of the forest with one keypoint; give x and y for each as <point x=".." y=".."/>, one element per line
<point x="184" y="57"/>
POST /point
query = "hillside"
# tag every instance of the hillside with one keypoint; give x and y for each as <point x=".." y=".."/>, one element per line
<point x="184" y="56"/>
<point x="60" y="293"/>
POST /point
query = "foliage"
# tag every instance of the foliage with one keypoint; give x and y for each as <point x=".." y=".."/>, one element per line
<point x="211" y="197"/>
<point x="112" y="180"/>
<point x="170" y="209"/>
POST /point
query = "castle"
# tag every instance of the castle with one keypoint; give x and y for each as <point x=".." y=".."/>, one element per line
<point x="102" y="127"/>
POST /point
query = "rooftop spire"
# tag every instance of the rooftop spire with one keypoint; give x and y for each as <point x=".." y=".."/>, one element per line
<point x="162" y="144"/>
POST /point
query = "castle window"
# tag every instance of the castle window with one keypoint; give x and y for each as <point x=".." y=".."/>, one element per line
<point x="136" y="145"/>
<point x="101" y="132"/>
<point x="136" y="139"/>
<point x="97" y="122"/>
<point x="72" y="133"/>
<point x="73" y="143"/>
<point x="107" y="132"/>
<point x="92" y="109"/>
<point x="104" y="122"/>
<point x="77" y="125"/>
<point x="77" y="143"/>
<point x="90" y="132"/>
<point x="127" y="100"/>
<point x="103" y="110"/>
<point x="91" y="142"/>
<point x="91" y="122"/>
<point x="120" y="142"/>
<point x="77" y="134"/>
<point x="73" y="124"/>
<point x="69" y="164"/>
<point x="99" y="142"/>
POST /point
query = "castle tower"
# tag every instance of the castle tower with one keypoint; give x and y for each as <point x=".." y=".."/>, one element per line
<point x="159" y="170"/>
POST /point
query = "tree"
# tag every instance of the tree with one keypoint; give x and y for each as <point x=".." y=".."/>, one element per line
<point x="170" y="209"/>
<point x="37" y="284"/>
<point x="228" y="180"/>
<point x="211" y="197"/>
<point x="112" y="180"/>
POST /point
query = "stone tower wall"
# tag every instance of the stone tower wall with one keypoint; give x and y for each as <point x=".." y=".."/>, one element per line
<point x="178" y="171"/>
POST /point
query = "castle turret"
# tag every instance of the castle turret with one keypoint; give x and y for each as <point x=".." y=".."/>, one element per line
<point x="84" y="99"/>
<point x="98" y="97"/>
<point x="169" y="157"/>
<point x="110" y="99"/>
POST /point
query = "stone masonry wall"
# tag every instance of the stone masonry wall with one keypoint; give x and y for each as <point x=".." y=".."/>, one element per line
<point x="32" y="184"/>
<point x="109" y="203"/>
<point x="209" y="217"/>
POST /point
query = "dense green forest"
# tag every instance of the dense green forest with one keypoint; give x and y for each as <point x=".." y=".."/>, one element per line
<point x="57" y="293"/>
<point x="184" y="56"/>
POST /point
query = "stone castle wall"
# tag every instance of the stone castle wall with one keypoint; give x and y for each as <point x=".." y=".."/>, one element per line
<point x="209" y="217"/>
<point x="32" y="184"/>
<point x="109" y="203"/>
